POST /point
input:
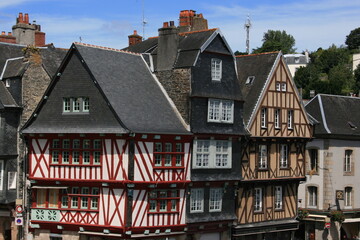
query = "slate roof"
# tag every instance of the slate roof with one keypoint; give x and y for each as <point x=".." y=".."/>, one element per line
<point x="336" y="115"/>
<point x="131" y="89"/>
<point x="6" y="100"/>
<point x="7" y="51"/>
<point x="260" y="67"/>
<point x="14" y="67"/>
<point x="190" y="44"/>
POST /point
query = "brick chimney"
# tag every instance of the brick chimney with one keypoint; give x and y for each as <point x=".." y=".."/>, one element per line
<point x="190" y="21"/>
<point x="27" y="33"/>
<point x="167" y="46"/>
<point x="134" y="38"/>
<point x="7" y="38"/>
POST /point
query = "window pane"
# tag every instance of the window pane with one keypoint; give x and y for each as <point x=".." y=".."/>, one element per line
<point x="97" y="156"/>
<point x="65" y="157"/>
<point x="75" y="157"/>
<point x="76" y="104"/>
<point x="76" y="143"/>
<point x="56" y="143"/>
<point x="86" y="157"/>
<point x="215" y="200"/>
<point x="86" y="104"/>
<point x="55" y="157"/>
<point x="86" y="143"/>
<point x="97" y="144"/>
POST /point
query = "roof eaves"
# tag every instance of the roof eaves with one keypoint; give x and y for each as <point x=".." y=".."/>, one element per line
<point x="323" y="115"/>
<point x="261" y="95"/>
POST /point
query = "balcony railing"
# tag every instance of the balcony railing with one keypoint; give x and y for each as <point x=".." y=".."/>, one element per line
<point x="48" y="215"/>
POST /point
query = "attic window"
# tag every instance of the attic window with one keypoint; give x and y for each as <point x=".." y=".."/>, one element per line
<point x="76" y="105"/>
<point x="7" y="83"/>
<point x="250" y="80"/>
<point x="297" y="59"/>
<point x="353" y="127"/>
<point x="216" y="69"/>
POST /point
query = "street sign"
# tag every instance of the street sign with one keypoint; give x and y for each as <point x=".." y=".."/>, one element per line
<point x="19" y="221"/>
<point x="327" y="225"/>
<point x="19" y="209"/>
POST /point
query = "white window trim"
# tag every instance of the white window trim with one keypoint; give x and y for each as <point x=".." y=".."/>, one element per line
<point x="216" y="192"/>
<point x="1" y="174"/>
<point x="311" y="196"/>
<point x="284" y="156"/>
<point x="212" y="154"/>
<point x="216" y="69"/>
<point x="199" y="194"/>
<point x="12" y="185"/>
<point x="7" y="83"/>
<point x="347" y="201"/>
<point x="220" y="119"/>
<point x="348" y="160"/>
<point x="283" y="87"/>
<point x="263" y="118"/>
<point x="278" y="197"/>
<point x="290" y="119"/>
<point x="277" y="118"/>
<point x="262" y="161"/>
<point x="278" y="86"/>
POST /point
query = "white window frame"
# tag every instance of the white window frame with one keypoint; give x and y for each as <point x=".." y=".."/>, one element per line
<point x="263" y="118"/>
<point x="277" y="118"/>
<point x="348" y="160"/>
<point x="290" y="119"/>
<point x="258" y="199"/>
<point x="1" y="174"/>
<point x="312" y="196"/>
<point x="220" y="111"/>
<point x="66" y="104"/>
<point x="197" y="200"/>
<point x="85" y="104"/>
<point x="12" y="180"/>
<point x="215" y="199"/>
<point x="283" y="86"/>
<point x="284" y="156"/>
<point x="348" y="197"/>
<point x="278" y="86"/>
<point x="263" y="156"/>
<point x="212" y="154"/>
<point x="7" y="83"/>
<point x="216" y="69"/>
<point x="278" y="197"/>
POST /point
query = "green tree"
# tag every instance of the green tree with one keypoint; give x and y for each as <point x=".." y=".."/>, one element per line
<point x="341" y="80"/>
<point x="353" y="39"/>
<point x="276" y="41"/>
<point x="357" y="80"/>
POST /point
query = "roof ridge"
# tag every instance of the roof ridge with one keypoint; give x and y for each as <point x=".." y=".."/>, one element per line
<point x="191" y="32"/>
<point x="107" y="48"/>
<point x="256" y="54"/>
<point x="342" y="96"/>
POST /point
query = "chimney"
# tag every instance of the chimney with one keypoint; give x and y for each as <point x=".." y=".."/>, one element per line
<point x="26" y="20"/>
<point x="3" y="33"/>
<point x="20" y="19"/>
<point x="190" y="21"/>
<point x="134" y="38"/>
<point x="167" y="46"/>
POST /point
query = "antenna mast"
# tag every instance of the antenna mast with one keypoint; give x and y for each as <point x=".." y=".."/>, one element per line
<point x="247" y="26"/>
<point x="144" y="22"/>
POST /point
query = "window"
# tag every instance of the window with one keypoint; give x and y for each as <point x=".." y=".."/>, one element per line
<point x="258" y="200"/>
<point x="278" y="197"/>
<point x="197" y="200"/>
<point x="53" y="198"/>
<point x="297" y="59"/>
<point x="212" y="154"/>
<point x="81" y="198"/>
<point x="76" y="151"/>
<point x="278" y="86"/>
<point x="168" y="154"/>
<point x="164" y="201"/>
<point x="348" y="197"/>
<point x="215" y="200"/>
<point x="347" y="161"/>
<point x="263" y="117"/>
<point x="283" y="87"/>
<point x="7" y="83"/>
<point x="313" y="154"/>
<point x="12" y="180"/>
<point x="263" y="156"/>
<point x="312" y="196"/>
<point x="76" y="104"/>
<point x="216" y="69"/>
<point x="277" y="118"/>
<point x="1" y="174"/>
<point x="220" y="111"/>
<point x="284" y="156"/>
<point x="250" y="80"/>
<point x="290" y="119"/>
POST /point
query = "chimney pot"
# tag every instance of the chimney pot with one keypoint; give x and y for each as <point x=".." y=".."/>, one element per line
<point x="135" y="32"/>
<point x="20" y="18"/>
<point x="3" y="33"/>
<point x="165" y="24"/>
<point x="10" y="33"/>
<point x="26" y="20"/>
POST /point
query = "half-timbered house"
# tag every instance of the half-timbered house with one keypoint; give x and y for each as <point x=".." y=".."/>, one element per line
<point x="273" y="161"/>
<point x="197" y="69"/>
<point x="109" y="154"/>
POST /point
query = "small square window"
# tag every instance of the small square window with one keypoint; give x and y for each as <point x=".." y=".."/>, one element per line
<point x="76" y="104"/>
<point x="66" y="105"/>
<point x="250" y="80"/>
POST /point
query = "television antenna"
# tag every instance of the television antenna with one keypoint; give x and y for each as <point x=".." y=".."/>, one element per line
<point x="143" y="22"/>
<point x="247" y="26"/>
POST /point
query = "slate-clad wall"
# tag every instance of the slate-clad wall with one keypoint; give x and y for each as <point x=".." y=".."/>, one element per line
<point x="15" y="89"/>
<point x="8" y="132"/>
<point x="82" y="85"/>
<point x="177" y="86"/>
<point x="221" y="174"/>
<point x="227" y="208"/>
<point x="8" y="195"/>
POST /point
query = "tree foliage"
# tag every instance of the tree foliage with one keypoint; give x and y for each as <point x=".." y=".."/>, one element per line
<point x="353" y="39"/>
<point x="276" y="41"/>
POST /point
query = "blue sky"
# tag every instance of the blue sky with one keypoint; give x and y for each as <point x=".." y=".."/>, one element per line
<point x="313" y="24"/>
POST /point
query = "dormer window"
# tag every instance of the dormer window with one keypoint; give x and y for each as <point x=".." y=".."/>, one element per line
<point x="7" y="83"/>
<point x="216" y="69"/>
<point x="221" y="111"/>
<point x="250" y="80"/>
<point x="76" y="104"/>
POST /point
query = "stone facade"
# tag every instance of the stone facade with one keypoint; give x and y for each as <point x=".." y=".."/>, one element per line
<point x="178" y="86"/>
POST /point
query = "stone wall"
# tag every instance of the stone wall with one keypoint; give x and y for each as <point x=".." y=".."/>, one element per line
<point x="177" y="84"/>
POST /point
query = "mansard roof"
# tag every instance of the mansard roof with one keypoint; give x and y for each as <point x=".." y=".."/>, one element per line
<point x="260" y="67"/>
<point x="190" y="45"/>
<point x="133" y="93"/>
<point x="336" y="115"/>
